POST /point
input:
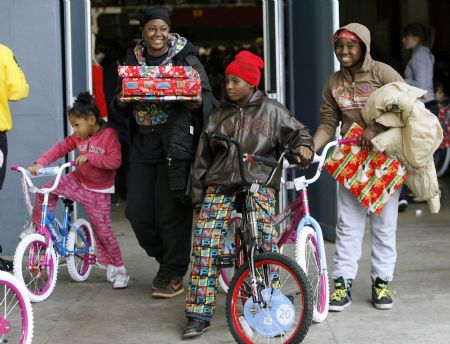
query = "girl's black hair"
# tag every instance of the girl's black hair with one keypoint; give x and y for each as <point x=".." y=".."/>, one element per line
<point x="84" y="107"/>
<point x="425" y="33"/>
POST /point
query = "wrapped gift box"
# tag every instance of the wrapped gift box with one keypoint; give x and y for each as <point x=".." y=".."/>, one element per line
<point x="444" y="119"/>
<point x="183" y="72"/>
<point x="371" y="176"/>
<point x="159" y="83"/>
<point x="160" y="87"/>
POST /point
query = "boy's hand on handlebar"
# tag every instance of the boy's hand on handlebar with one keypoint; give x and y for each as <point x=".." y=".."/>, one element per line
<point x="304" y="156"/>
<point x="34" y="169"/>
<point x="81" y="160"/>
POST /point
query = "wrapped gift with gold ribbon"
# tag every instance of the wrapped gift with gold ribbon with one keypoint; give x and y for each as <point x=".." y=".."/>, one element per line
<point x="371" y="176"/>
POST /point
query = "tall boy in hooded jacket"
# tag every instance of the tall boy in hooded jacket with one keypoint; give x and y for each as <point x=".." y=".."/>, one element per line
<point x="344" y="95"/>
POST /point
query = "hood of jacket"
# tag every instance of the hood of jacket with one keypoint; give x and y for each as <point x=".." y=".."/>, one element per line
<point x="362" y="32"/>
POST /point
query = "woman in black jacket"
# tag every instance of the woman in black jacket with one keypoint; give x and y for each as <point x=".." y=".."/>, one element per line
<point x="163" y="142"/>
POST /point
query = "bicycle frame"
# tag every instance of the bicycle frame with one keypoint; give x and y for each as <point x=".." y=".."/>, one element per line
<point x="249" y="214"/>
<point x="300" y="207"/>
<point x="50" y="227"/>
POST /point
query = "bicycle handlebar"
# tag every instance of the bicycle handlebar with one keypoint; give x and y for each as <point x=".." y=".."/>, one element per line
<point x="252" y="158"/>
<point x="26" y="175"/>
<point x="302" y="182"/>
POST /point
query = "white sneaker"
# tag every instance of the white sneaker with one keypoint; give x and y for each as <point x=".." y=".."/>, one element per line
<point x="118" y="276"/>
<point x="28" y="229"/>
<point x="109" y="273"/>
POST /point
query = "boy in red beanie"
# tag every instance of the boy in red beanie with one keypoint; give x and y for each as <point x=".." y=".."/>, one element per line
<point x="262" y="126"/>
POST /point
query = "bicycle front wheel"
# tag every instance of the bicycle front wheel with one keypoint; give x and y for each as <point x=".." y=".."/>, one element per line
<point x="283" y="313"/>
<point x="80" y="251"/>
<point x="307" y="255"/>
<point x="16" y="315"/>
<point x="35" y="265"/>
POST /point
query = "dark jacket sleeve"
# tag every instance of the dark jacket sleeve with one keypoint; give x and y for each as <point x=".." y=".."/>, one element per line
<point x="209" y="102"/>
<point x="203" y="159"/>
<point x="293" y="134"/>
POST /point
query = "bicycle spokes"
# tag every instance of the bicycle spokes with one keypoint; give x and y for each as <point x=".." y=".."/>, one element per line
<point x="278" y="310"/>
<point x="37" y="265"/>
<point x="16" y="319"/>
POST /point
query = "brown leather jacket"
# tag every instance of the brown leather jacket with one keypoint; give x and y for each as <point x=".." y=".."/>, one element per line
<point x="264" y="127"/>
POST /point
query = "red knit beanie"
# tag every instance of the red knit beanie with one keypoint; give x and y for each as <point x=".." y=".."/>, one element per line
<point x="247" y="66"/>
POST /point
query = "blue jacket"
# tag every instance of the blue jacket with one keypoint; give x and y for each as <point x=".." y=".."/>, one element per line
<point x="419" y="70"/>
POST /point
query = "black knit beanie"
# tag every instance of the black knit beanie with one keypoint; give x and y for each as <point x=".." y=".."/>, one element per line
<point x="154" y="13"/>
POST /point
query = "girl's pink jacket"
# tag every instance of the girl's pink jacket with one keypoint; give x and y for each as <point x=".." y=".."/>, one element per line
<point x="104" y="157"/>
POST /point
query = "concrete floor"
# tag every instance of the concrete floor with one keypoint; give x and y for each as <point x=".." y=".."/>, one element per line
<point x="92" y="312"/>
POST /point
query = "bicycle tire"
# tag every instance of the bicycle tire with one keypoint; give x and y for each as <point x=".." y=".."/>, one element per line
<point x="40" y="280"/>
<point x="15" y="308"/>
<point x="308" y="257"/>
<point x="274" y="323"/>
<point x="441" y="158"/>
<point x="226" y="274"/>
<point x="78" y="265"/>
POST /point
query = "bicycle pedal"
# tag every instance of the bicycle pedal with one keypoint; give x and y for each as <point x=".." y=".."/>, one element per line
<point x="91" y="259"/>
<point x="225" y="261"/>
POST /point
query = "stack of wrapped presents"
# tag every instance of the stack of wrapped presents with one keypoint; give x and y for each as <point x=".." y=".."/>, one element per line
<point x="159" y="83"/>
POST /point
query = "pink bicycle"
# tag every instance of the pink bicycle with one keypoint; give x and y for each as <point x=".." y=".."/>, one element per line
<point x="36" y="256"/>
<point x="302" y="230"/>
<point x="16" y="315"/>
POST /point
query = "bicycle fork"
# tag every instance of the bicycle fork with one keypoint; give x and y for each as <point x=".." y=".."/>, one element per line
<point x="253" y="249"/>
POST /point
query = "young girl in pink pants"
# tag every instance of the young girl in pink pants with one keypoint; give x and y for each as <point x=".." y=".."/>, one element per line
<point x="92" y="183"/>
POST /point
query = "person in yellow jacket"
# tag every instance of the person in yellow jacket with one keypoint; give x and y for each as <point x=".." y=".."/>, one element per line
<point x="13" y="87"/>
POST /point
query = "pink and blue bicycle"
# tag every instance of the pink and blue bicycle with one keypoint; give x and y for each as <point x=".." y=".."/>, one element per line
<point x="36" y="256"/>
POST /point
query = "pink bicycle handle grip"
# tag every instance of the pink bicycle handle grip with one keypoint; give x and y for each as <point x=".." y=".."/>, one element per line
<point x="73" y="163"/>
<point x="348" y="140"/>
<point x="14" y="167"/>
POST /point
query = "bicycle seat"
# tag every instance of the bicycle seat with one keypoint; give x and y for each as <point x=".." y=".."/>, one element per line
<point x="67" y="201"/>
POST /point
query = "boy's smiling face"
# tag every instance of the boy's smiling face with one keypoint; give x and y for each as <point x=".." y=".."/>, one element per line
<point x="348" y="52"/>
<point x="238" y="90"/>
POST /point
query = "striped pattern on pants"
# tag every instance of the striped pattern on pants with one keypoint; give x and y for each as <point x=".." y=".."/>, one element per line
<point x="209" y="232"/>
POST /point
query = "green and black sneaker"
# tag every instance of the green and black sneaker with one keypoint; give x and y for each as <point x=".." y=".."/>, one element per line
<point x="381" y="295"/>
<point x="342" y="295"/>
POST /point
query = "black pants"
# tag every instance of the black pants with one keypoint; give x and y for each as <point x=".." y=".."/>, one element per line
<point x="162" y="224"/>
<point x="4" y="150"/>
